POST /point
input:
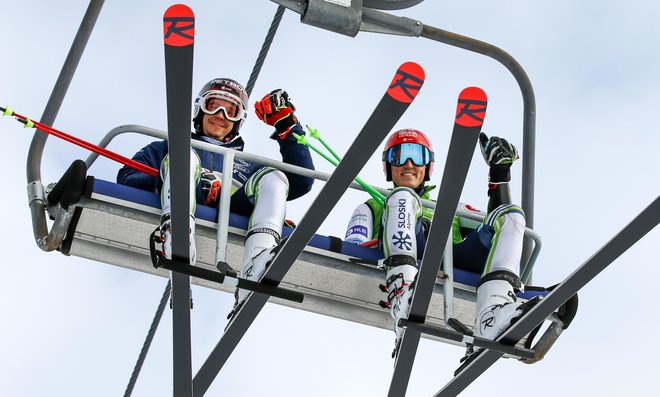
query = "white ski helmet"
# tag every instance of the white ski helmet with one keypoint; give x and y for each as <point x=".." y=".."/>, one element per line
<point x="227" y="89"/>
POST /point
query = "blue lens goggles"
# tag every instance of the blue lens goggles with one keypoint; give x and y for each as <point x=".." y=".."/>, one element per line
<point x="397" y="155"/>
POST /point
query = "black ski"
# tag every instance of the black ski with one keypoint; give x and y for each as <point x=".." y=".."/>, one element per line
<point x="179" y="35"/>
<point x="401" y="92"/>
<point x="470" y="113"/>
<point x="648" y="219"/>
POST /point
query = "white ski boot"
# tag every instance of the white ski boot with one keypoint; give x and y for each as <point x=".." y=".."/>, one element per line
<point x="497" y="309"/>
<point x="497" y="305"/>
<point x="166" y="237"/>
<point x="260" y="250"/>
<point x="400" y="284"/>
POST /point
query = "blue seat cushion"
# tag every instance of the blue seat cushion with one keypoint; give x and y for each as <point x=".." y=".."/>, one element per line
<point x="210" y="214"/>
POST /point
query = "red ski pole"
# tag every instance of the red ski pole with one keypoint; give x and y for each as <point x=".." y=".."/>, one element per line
<point x="83" y="144"/>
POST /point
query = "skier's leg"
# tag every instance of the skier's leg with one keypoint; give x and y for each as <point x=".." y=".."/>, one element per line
<point x="496" y="247"/>
<point x="496" y="300"/>
<point x="400" y="218"/>
<point x="507" y="226"/>
<point x="266" y="191"/>
<point x="165" y="220"/>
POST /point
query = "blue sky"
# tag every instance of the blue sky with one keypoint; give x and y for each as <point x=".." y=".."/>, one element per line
<point x="74" y="327"/>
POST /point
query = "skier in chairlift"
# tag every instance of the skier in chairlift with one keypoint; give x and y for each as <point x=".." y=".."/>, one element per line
<point x="401" y="225"/>
<point x="259" y="192"/>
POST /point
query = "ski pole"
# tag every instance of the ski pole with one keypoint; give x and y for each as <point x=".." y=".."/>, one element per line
<point x="314" y="133"/>
<point x="378" y="196"/>
<point x="77" y="141"/>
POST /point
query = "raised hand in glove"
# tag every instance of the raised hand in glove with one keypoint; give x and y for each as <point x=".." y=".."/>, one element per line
<point x="211" y="183"/>
<point x="276" y="110"/>
<point x="499" y="155"/>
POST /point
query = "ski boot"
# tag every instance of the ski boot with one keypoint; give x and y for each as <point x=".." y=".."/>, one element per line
<point x="260" y="250"/>
<point x="497" y="309"/>
<point x="166" y="237"/>
<point x="399" y="285"/>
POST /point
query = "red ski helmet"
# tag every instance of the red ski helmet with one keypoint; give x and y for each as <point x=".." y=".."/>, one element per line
<point x="396" y="150"/>
<point x="227" y="89"/>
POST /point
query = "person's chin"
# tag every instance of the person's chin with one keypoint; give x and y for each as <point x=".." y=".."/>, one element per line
<point x="216" y="136"/>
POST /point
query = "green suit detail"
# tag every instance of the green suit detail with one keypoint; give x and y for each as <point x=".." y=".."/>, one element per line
<point x="377" y="210"/>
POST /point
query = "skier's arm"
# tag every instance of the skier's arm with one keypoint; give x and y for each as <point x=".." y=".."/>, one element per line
<point x="293" y="153"/>
<point x="498" y="187"/>
<point x="361" y="226"/>
<point x="499" y="155"/>
<point x="276" y="110"/>
<point x="151" y="155"/>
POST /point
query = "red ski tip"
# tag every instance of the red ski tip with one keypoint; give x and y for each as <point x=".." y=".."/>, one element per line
<point x="407" y="82"/>
<point x="179" y="26"/>
<point x="471" y="108"/>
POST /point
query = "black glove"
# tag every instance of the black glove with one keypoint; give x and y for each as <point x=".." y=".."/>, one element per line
<point x="211" y="183"/>
<point x="499" y="155"/>
<point x="276" y="110"/>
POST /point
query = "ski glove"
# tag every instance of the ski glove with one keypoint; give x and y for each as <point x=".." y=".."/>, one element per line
<point x="276" y="110"/>
<point x="499" y="155"/>
<point x="211" y="183"/>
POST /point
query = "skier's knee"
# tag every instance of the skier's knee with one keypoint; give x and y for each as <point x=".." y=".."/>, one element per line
<point x="401" y="191"/>
<point x="402" y="194"/>
<point x="269" y="181"/>
<point x="404" y="204"/>
<point x="275" y="176"/>
<point x="509" y="213"/>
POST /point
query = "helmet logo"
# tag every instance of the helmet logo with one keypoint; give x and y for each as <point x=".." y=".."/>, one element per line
<point x="225" y="85"/>
<point x="408" y="133"/>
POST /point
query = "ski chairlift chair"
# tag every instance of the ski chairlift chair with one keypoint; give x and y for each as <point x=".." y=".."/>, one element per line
<point x="104" y="221"/>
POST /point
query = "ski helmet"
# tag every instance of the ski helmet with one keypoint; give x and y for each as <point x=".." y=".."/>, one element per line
<point x="402" y="145"/>
<point x="226" y="89"/>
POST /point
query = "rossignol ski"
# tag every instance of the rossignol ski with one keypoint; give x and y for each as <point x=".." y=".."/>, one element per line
<point x="644" y="222"/>
<point x="470" y="113"/>
<point x="179" y="37"/>
<point x="403" y="89"/>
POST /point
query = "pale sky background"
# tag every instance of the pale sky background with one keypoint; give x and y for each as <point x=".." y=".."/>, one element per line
<point x="73" y="327"/>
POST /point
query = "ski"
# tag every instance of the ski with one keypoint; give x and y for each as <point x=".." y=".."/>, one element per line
<point x="470" y="113"/>
<point x="179" y="35"/>
<point x="620" y="243"/>
<point x="401" y="92"/>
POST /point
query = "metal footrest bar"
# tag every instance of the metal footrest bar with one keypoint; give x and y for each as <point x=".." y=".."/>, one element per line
<point x="465" y="338"/>
<point x="225" y="278"/>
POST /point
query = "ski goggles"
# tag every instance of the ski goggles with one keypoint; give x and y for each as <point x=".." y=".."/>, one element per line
<point x="230" y="104"/>
<point x="397" y="155"/>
